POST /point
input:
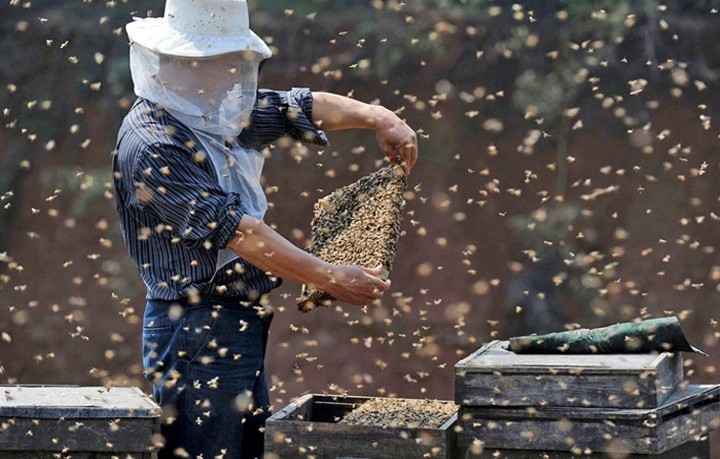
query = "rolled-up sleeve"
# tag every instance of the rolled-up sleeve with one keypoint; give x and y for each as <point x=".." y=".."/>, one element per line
<point x="183" y="194"/>
<point x="279" y="113"/>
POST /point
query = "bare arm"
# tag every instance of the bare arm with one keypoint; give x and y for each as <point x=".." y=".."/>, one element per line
<point x="333" y="112"/>
<point x="262" y="246"/>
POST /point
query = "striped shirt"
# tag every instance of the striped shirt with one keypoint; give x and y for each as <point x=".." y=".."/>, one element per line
<point x="174" y="215"/>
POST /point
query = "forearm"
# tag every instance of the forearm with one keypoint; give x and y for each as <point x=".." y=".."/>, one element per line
<point x="259" y="244"/>
<point x="395" y="138"/>
<point x="263" y="247"/>
<point x="333" y="112"/>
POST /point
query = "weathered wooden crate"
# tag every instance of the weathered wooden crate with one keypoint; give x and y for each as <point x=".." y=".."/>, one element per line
<point x="309" y="428"/>
<point x="494" y="376"/>
<point x="687" y="416"/>
<point x="38" y="422"/>
<point x="691" y="450"/>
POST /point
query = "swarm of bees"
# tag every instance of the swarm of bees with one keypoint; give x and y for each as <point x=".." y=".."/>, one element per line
<point x="399" y="412"/>
<point x="604" y="108"/>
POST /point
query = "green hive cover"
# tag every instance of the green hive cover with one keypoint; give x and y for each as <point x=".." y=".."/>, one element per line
<point x="662" y="335"/>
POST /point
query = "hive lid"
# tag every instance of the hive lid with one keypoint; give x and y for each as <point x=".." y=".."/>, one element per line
<point x="495" y="357"/>
<point x="42" y="402"/>
<point x="358" y="224"/>
<point x="495" y="376"/>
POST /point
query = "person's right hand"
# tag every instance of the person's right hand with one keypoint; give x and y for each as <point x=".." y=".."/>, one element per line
<point x="397" y="140"/>
<point x="356" y="285"/>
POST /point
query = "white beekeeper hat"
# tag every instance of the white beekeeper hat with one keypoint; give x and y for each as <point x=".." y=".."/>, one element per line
<point x="198" y="29"/>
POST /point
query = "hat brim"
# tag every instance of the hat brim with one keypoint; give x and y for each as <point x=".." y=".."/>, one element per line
<point x="154" y="34"/>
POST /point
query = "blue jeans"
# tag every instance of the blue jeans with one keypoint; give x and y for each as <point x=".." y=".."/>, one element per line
<point x="206" y="363"/>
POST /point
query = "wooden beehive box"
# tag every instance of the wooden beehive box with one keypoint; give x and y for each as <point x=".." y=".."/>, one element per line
<point x="54" y="421"/>
<point x="310" y="427"/>
<point x="691" y="450"/>
<point x="681" y="424"/>
<point x="494" y="376"/>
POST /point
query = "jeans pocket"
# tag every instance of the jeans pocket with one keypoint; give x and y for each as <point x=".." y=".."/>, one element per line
<point x="198" y="327"/>
<point x="157" y="350"/>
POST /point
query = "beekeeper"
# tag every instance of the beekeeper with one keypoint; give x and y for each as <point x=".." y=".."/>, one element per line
<point x="187" y="191"/>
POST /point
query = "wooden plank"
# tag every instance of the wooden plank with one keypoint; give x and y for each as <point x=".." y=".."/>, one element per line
<point x="121" y="435"/>
<point x="322" y="437"/>
<point x="74" y="455"/>
<point x="494" y="376"/>
<point x="691" y="450"/>
<point x="324" y="440"/>
<point x="100" y="420"/>
<point x="75" y="402"/>
<point x="319" y="408"/>
<point x="682" y="401"/>
<point x="669" y="376"/>
<point x="300" y="409"/>
<point x="689" y="416"/>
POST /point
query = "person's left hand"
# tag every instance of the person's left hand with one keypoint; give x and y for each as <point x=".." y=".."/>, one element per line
<point x="398" y="141"/>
